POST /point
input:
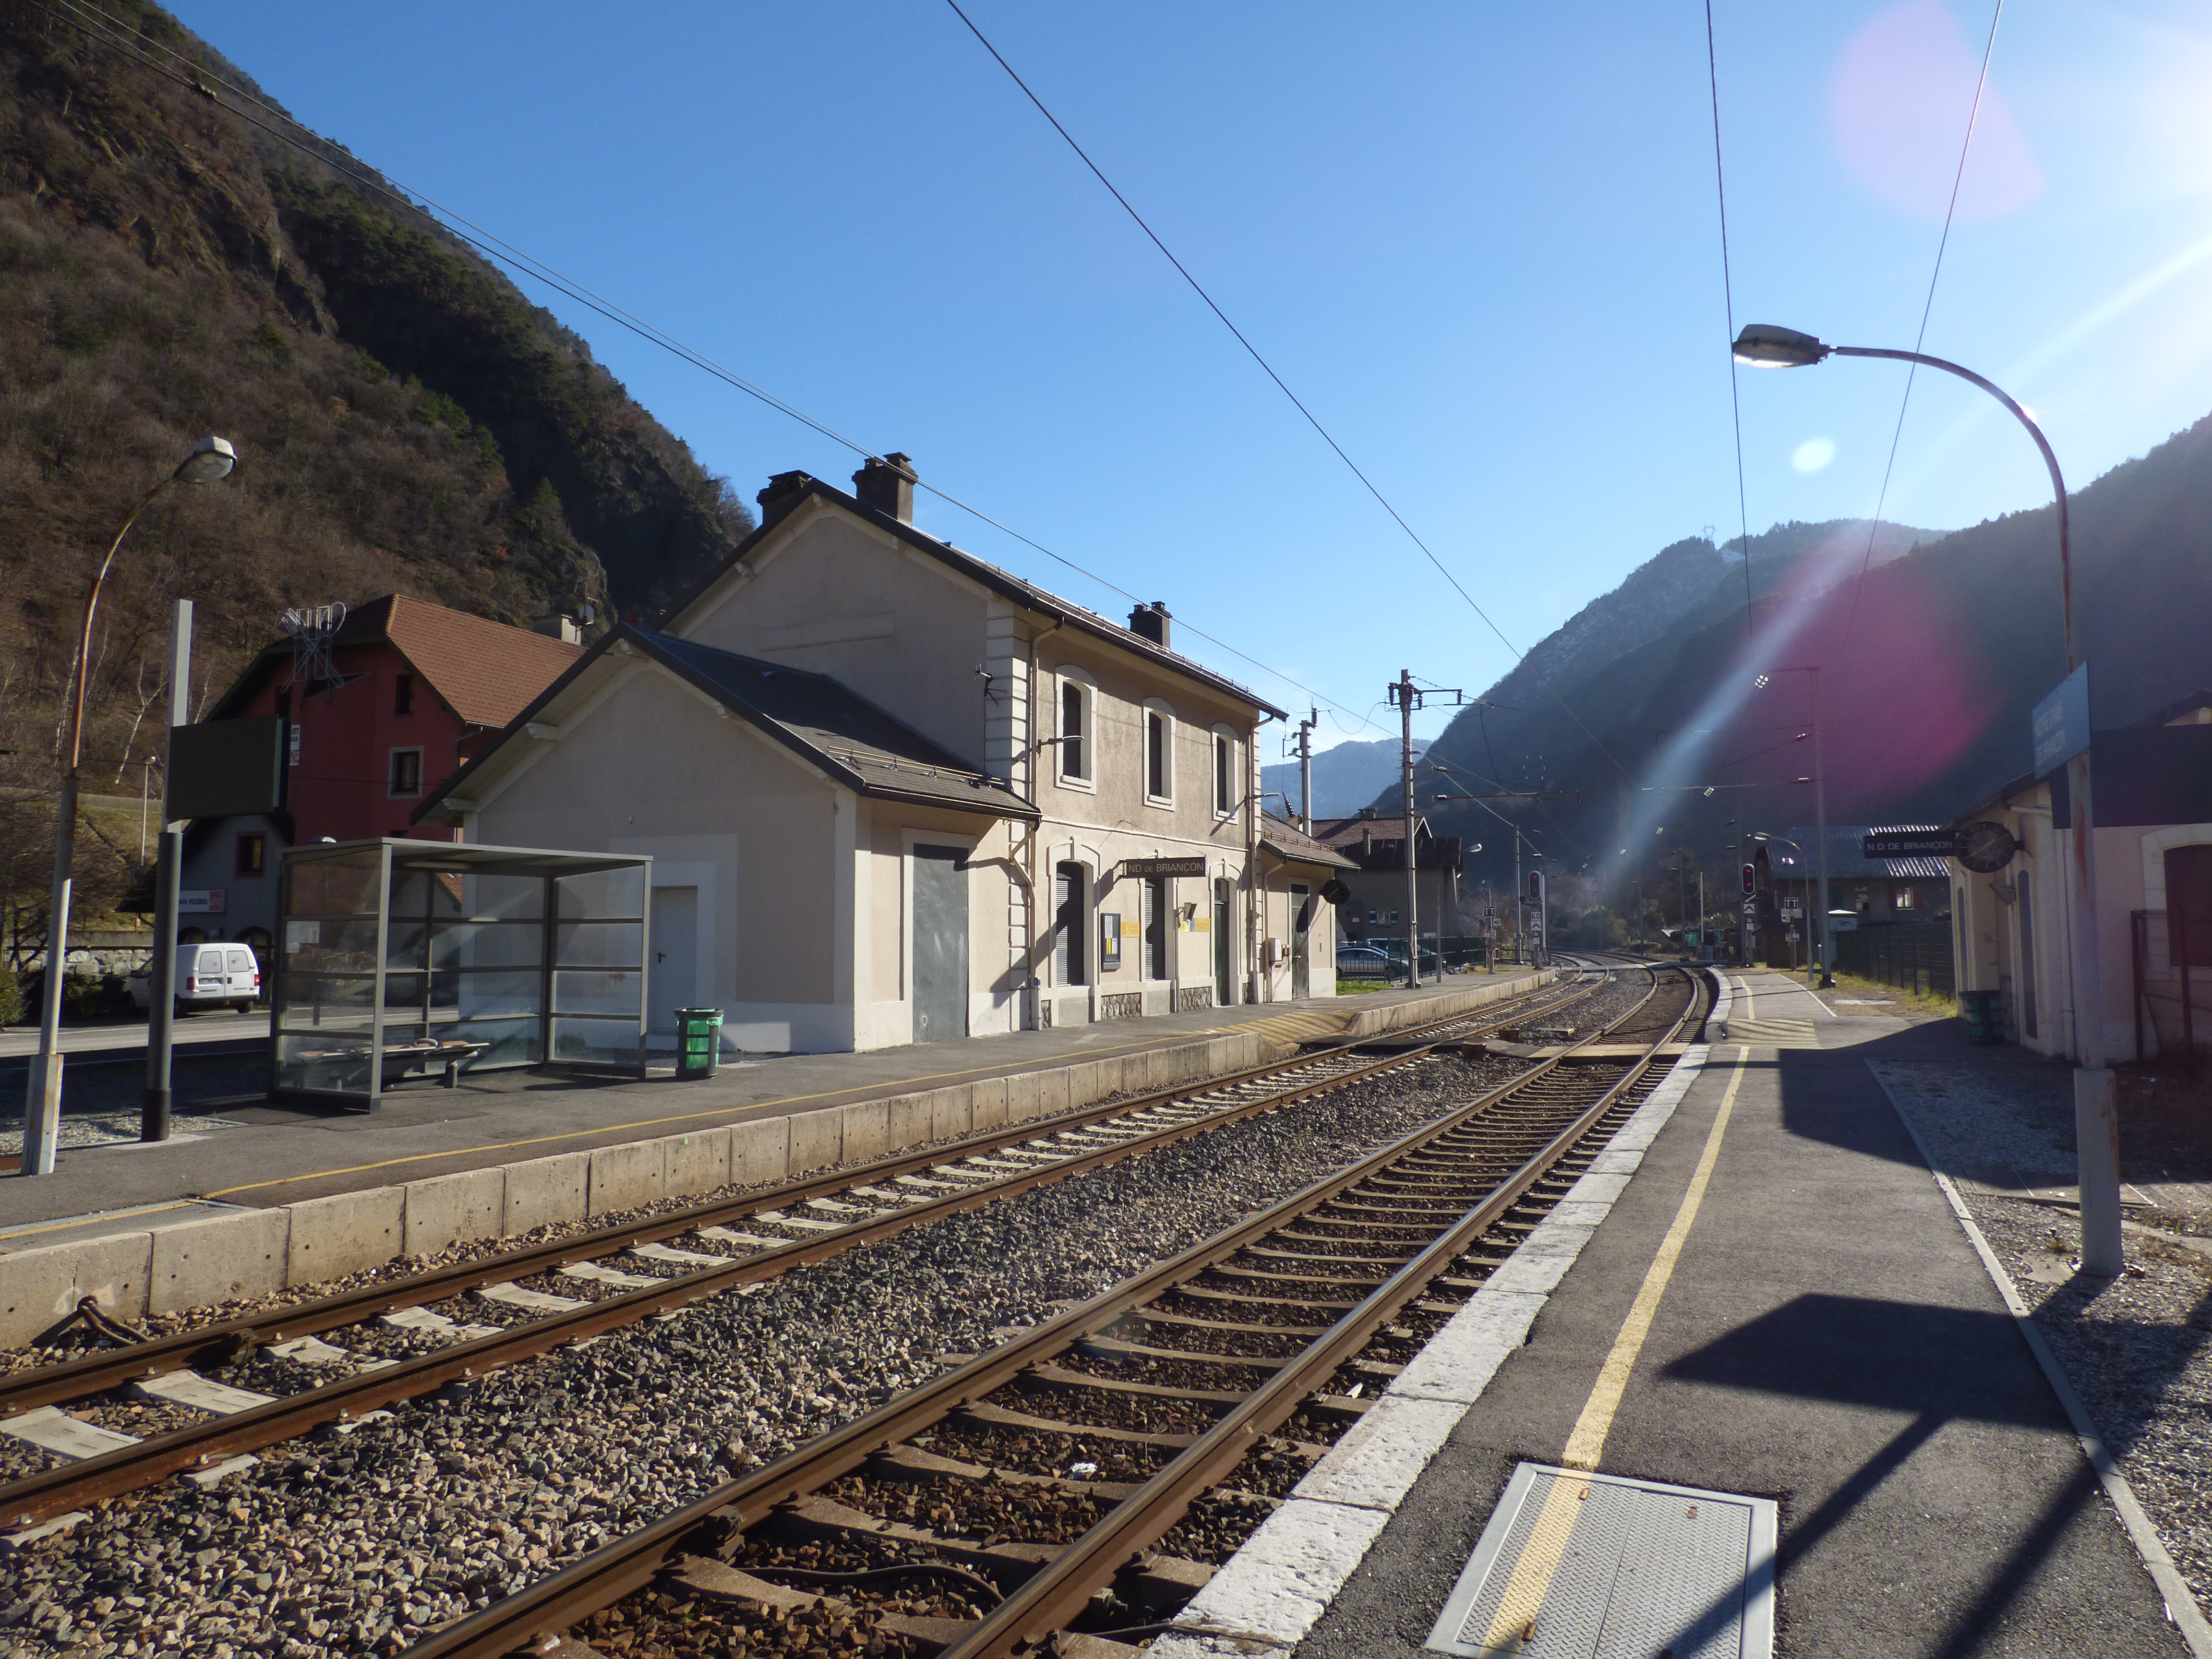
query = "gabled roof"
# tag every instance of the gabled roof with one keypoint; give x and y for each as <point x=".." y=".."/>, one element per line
<point x="1845" y="861"/>
<point x="835" y="729"/>
<point x="1356" y="831"/>
<point x="486" y="672"/>
<point x="1002" y="583"/>
<point x="1287" y="841"/>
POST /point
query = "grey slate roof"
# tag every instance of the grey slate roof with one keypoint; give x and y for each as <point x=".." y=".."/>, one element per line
<point x="832" y="728"/>
<point x="1288" y="842"/>
<point x="1845" y="862"/>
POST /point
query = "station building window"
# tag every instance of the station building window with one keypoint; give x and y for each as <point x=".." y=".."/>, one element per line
<point x="406" y="772"/>
<point x="1225" y="791"/>
<point x="1159" y="754"/>
<point x="1078" y="744"/>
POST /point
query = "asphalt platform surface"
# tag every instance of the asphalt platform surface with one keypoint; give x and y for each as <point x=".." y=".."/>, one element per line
<point x="1829" y="1340"/>
<point x="282" y="1152"/>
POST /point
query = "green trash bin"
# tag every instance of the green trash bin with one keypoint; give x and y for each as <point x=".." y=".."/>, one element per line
<point x="1984" y="1012"/>
<point x="698" y="1041"/>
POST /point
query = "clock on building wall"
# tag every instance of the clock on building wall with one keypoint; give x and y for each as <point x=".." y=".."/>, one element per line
<point x="1985" y="847"/>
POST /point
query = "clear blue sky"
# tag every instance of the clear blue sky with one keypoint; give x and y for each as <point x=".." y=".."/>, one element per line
<point x="1480" y="241"/>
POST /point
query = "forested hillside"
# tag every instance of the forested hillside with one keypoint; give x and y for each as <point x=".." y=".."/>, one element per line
<point x="1929" y="668"/>
<point x="405" y="419"/>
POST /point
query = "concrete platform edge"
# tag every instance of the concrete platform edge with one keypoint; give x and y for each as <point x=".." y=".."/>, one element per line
<point x="2181" y="1608"/>
<point x="167" y="1269"/>
<point x="1274" y="1589"/>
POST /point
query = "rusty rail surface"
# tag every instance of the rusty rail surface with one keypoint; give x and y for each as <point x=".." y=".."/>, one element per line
<point x="71" y="1485"/>
<point x="1058" y="1591"/>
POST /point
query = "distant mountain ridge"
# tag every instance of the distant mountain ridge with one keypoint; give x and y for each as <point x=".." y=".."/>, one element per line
<point x="1344" y="778"/>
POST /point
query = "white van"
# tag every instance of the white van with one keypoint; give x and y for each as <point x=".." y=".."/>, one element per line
<point x="208" y="976"/>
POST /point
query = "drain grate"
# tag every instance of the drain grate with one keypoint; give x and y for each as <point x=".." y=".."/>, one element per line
<point x="1595" y="1566"/>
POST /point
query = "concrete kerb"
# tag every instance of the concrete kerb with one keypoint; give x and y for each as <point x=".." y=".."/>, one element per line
<point x="133" y="1273"/>
<point x="225" y="1256"/>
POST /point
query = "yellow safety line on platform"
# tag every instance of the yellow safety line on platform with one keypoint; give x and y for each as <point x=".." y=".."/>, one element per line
<point x="1522" y="1601"/>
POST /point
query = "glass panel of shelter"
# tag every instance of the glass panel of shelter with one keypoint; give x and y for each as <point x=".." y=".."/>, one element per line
<point x="480" y="961"/>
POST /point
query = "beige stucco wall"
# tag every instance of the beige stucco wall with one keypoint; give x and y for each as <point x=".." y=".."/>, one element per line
<point x="997" y="917"/>
<point x="652" y="767"/>
<point x="844" y="599"/>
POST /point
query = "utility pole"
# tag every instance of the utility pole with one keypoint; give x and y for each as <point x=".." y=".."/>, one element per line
<point x="1305" y="768"/>
<point x="161" y="972"/>
<point x="1825" y="954"/>
<point x="1405" y="691"/>
<point x="1407" y="698"/>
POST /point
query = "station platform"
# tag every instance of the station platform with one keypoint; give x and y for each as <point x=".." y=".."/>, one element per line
<point x="1772" y="1299"/>
<point x="509" y="1150"/>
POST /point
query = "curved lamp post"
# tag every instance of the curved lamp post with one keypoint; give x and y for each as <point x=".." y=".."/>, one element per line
<point x="2096" y="1121"/>
<point x="211" y="458"/>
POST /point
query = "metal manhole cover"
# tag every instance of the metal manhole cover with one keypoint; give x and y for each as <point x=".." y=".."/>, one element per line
<point x="1595" y="1566"/>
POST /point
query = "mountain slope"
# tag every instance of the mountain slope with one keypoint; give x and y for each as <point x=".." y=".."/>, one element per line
<point x="1928" y="669"/>
<point x="405" y="419"/>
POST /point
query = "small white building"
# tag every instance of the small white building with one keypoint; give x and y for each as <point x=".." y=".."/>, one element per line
<point x="894" y="793"/>
<point x="2152" y="796"/>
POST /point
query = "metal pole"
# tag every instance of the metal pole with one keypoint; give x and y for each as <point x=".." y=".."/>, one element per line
<point x="1520" y="897"/>
<point x="1822" y="953"/>
<point x="2096" y="1118"/>
<point x="1305" y="771"/>
<point x="169" y="874"/>
<point x="1412" y="877"/>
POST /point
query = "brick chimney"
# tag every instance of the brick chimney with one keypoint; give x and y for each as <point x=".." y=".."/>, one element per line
<point x="888" y="485"/>
<point x="1150" y="622"/>
<point x="781" y="495"/>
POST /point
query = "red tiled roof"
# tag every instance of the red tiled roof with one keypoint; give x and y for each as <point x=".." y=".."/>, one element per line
<point x="486" y="672"/>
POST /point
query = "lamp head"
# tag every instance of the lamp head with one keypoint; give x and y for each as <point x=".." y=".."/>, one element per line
<point x="1762" y="682"/>
<point x="1767" y="345"/>
<point x="211" y="458"/>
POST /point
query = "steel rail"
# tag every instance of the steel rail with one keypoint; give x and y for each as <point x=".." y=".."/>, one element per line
<point x="225" y="1341"/>
<point x="605" y="1576"/>
<point x="49" y="1493"/>
<point x="1059" y="1591"/>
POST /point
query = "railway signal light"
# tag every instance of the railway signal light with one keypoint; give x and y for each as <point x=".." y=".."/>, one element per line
<point x="1751" y="881"/>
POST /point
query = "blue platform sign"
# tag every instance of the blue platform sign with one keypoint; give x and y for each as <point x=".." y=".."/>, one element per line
<point x="2061" y="726"/>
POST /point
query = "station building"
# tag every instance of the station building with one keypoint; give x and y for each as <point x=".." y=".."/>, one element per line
<point x="894" y="793"/>
<point x="2152" y="797"/>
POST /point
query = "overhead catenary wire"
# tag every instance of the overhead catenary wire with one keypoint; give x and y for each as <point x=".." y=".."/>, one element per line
<point x="1927" y="310"/>
<point x="198" y="78"/>
<point x="1283" y="387"/>
<point x="1728" y="300"/>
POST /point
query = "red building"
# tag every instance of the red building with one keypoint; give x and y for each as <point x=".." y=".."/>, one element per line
<point x="411" y="690"/>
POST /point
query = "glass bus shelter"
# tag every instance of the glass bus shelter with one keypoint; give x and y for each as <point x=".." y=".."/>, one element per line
<point x="415" y="959"/>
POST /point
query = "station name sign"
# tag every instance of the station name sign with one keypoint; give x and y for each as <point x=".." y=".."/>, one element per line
<point x="1164" y="867"/>
<point x="1909" y="844"/>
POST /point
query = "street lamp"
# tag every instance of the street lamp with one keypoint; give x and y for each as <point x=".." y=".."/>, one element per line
<point x="211" y="459"/>
<point x="2096" y="1121"/>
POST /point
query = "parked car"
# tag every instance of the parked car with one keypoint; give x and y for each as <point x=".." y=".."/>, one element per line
<point x="208" y="976"/>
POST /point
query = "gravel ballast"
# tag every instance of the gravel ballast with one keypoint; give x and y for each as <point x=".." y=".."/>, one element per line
<point x="354" y="1544"/>
<point x="2136" y="1349"/>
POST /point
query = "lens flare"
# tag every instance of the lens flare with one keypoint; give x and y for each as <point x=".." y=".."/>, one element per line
<point x="1813" y="454"/>
<point x="1898" y="107"/>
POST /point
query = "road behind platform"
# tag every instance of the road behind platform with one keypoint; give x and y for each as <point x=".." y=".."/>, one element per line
<point x="1829" y="1339"/>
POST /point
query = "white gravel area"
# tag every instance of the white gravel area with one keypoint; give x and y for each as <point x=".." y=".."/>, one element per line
<point x="2137" y="1350"/>
<point x="354" y="1544"/>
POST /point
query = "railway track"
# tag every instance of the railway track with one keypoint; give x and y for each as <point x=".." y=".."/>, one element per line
<point x="1067" y="1491"/>
<point x="627" y="1274"/>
